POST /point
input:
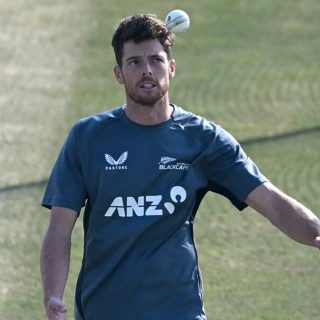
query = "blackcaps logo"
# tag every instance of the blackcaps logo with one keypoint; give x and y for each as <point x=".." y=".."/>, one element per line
<point x="168" y="163"/>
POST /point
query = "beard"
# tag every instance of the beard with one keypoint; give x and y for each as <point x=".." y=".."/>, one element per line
<point x="147" y="99"/>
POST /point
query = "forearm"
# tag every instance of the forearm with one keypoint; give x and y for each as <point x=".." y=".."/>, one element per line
<point x="296" y="221"/>
<point x="55" y="261"/>
<point x="287" y="214"/>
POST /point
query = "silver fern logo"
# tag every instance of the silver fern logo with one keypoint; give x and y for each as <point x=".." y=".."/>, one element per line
<point x="168" y="163"/>
<point x="166" y="160"/>
<point x="116" y="164"/>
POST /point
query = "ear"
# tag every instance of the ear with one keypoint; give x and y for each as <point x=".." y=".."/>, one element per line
<point x="172" y="68"/>
<point x="118" y="74"/>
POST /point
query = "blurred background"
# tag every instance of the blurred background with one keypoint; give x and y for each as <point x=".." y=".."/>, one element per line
<point x="251" y="66"/>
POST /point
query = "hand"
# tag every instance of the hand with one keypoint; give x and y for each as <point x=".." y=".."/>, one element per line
<point x="56" y="310"/>
<point x="317" y="242"/>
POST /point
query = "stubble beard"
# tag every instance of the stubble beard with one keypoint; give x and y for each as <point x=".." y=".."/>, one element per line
<point x="147" y="100"/>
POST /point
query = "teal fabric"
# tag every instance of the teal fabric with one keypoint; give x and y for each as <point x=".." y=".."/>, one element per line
<point x="141" y="187"/>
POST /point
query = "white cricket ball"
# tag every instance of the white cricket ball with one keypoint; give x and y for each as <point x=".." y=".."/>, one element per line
<point x="177" y="21"/>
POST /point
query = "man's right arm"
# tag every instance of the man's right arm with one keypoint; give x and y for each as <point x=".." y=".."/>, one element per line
<point x="55" y="260"/>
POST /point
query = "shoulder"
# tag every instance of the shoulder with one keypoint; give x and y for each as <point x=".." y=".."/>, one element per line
<point x="200" y="126"/>
<point x="100" y="119"/>
<point x="94" y="124"/>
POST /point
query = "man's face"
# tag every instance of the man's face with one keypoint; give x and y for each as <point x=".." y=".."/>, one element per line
<point x="146" y="71"/>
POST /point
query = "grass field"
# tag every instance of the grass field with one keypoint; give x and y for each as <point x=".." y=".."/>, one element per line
<point x="251" y="66"/>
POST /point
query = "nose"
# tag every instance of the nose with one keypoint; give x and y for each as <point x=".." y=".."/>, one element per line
<point x="147" y="69"/>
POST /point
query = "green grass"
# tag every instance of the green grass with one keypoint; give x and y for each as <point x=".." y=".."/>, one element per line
<point x="250" y="66"/>
<point x="40" y="46"/>
<point x="250" y="269"/>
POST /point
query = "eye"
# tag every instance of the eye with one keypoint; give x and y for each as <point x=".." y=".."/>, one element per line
<point x="158" y="59"/>
<point x="133" y="62"/>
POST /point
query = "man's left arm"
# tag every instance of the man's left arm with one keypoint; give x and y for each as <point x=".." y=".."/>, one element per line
<point x="287" y="214"/>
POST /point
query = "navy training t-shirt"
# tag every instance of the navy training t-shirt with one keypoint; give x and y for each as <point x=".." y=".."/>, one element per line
<point x="141" y="187"/>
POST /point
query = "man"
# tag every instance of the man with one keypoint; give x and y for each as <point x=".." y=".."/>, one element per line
<point x="141" y="171"/>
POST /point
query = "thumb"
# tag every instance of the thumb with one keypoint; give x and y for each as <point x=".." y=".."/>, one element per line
<point x="317" y="242"/>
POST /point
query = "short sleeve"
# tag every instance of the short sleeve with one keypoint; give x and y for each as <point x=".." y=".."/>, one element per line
<point x="66" y="186"/>
<point x="231" y="172"/>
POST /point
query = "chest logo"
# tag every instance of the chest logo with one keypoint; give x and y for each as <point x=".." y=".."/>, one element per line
<point x="167" y="163"/>
<point x="149" y="205"/>
<point x="116" y="164"/>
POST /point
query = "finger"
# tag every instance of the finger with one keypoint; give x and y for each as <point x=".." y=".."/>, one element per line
<point x="57" y="305"/>
<point x="317" y="242"/>
<point x="53" y="315"/>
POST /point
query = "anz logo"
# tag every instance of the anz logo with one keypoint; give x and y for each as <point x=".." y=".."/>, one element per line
<point x="150" y="205"/>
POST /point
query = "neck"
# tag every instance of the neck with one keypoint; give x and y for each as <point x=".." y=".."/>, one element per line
<point x="148" y="114"/>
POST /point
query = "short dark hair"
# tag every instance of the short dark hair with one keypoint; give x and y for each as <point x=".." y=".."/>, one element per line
<point x="141" y="27"/>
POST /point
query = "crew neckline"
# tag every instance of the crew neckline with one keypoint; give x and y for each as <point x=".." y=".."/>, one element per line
<point x="158" y="125"/>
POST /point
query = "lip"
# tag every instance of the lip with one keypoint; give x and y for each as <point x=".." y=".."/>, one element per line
<point x="146" y="84"/>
